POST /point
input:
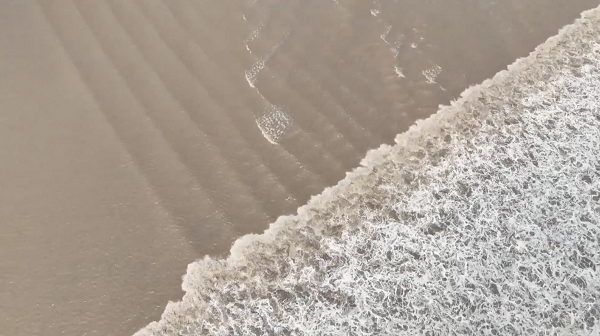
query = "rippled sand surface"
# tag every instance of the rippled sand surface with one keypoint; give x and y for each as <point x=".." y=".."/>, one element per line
<point x="138" y="136"/>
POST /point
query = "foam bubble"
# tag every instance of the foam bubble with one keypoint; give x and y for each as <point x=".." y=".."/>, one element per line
<point x="252" y="74"/>
<point x="399" y="71"/>
<point x="385" y="34"/>
<point x="483" y="219"/>
<point x="255" y="33"/>
<point x="253" y="36"/>
<point x="274" y="123"/>
<point x="431" y="73"/>
<point x="395" y="44"/>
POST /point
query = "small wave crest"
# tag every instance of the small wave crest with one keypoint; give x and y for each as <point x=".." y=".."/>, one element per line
<point x="483" y="219"/>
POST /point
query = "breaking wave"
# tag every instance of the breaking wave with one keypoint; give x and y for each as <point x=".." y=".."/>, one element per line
<point x="483" y="219"/>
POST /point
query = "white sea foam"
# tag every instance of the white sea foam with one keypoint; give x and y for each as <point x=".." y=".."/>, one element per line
<point x="255" y="33"/>
<point x="483" y="219"/>
<point x="252" y="74"/>
<point x="385" y="34"/>
<point x="399" y="71"/>
<point x="253" y="36"/>
<point x="395" y="44"/>
<point x="274" y="123"/>
<point x="432" y="73"/>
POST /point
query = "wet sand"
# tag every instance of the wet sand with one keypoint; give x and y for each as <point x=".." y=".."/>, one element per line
<point x="139" y="136"/>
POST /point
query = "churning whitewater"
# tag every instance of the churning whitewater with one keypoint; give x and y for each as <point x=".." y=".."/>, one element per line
<point x="483" y="219"/>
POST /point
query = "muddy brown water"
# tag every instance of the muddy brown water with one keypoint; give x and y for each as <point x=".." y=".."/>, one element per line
<point x="138" y="136"/>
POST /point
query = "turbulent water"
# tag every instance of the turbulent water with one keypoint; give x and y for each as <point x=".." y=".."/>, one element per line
<point x="483" y="219"/>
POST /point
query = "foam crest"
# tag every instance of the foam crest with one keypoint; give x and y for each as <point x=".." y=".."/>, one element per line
<point x="483" y="219"/>
<point x="274" y="123"/>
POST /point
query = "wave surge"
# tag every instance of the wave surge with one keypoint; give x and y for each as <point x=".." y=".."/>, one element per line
<point x="483" y="219"/>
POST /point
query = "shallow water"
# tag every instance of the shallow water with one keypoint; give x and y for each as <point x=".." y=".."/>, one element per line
<point x="139" y="136"/>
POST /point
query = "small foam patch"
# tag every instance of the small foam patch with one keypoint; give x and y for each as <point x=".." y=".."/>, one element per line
<point x="274" y="123"/>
